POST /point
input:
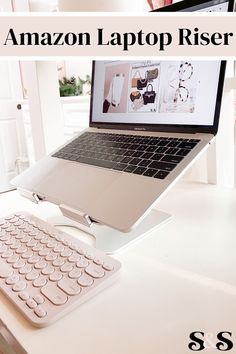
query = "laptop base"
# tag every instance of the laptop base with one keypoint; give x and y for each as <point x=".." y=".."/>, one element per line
<point x="110" y="240"/>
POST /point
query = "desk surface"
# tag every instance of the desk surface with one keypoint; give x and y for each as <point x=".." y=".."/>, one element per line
<point x="180" y="278"/>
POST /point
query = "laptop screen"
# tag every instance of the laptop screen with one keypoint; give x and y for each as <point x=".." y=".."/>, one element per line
<point x="199" y="6"/>
<point x="156" y="92"/>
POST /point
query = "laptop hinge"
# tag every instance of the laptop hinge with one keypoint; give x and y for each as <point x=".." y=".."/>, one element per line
<point x="75" y="215"/>
<point x="30" y="195"/>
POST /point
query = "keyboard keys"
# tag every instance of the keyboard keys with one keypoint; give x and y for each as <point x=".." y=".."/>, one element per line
<point x="187" y="145"/>
<point x="172" y="158"/>
<point x="41" y="281"/>
<point x="130" y="168"/>
<point x="40" y="312"/>
<point x="95" y="271"/>
<point x="165" y="166"/>
<point x="161" y="174"/>
<point x="150" y="172"/>
<point x="54" y="294"/>
<point x="139" y="170"/>
<point x="19" y="286"/>
<point x="69" y="286"/>
<point x="85" y="280"/>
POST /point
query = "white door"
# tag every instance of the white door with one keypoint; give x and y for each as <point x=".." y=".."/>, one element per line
<point x="10" y="125"/>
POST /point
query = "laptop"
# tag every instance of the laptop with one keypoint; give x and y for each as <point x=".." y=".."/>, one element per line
<point x="149" y="121"/>
<point x="199" y="6"/>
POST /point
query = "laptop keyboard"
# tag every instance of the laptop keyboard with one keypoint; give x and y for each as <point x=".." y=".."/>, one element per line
<point x="143" y="155"/>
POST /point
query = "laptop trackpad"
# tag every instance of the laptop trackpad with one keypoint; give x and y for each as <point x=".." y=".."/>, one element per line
<point x="76" y="185"/>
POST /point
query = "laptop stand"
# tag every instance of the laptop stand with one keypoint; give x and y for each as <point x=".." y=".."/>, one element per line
<point x="107" y="239"/>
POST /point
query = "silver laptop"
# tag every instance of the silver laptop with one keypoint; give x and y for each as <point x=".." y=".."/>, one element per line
<point x="149" y="121"/>
<point x="199" y="6"/>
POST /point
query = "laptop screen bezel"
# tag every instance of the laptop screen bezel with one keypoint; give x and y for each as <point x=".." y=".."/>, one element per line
<point x="185" y="4"/>
<point x="178" y="128"/>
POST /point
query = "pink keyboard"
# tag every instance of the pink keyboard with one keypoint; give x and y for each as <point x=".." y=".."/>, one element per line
<point x="47" y="273"/>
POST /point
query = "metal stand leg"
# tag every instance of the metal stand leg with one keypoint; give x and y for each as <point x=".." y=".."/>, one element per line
<point x="110" y="240"/>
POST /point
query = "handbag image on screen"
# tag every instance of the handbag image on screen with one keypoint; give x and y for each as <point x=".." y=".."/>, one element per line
<point x="136" y="77"/>
<point x="142" y="83"/>
<point x="137" y="104"/>
<point x="135" y="95"/>
<point x="152" y="74"/>
<point x="150" y="95"/>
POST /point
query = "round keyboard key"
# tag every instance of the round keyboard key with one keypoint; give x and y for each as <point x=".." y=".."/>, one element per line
<point x="56" y="276"/>
<point x="81" y="251"/>
<point x="82" y="263"/>
<point x="51" y="257"/>
<point x="5" y="225"/>
<point x="40" y="312"/>
<point x="32" y="233"/>
<point x="51" y="244"/>
<point x="5" y="270"/>
<point x="14" y="219"/>
<point x="19" y="236"/>
<point x="40" y="265"/>
<point x="54" y="294"/>
<point x="3" y="249"/>
<point x="25" y="239"/>
<point x="13" y="279"/>
<point x="38" y="247"/>
<point x="5" y="237"/>
<point x="85" y="280"/>
<point x="19" y="286"/>
<point x="67" y="267"/>
<point x="32" y="275"/>
<point x="39" y="237"/>
<point x="14" y="233"/>
<point x="58" y="248"/>
<point x="7" y="254"/>
<point x="75" y="273"/>
<point x="27" y="254"/>
<point x="39" y="299"/>
<point x="31" y="243"/>
<point x="2" y="233"/>
<point x="66" y="242"/>
<point x="88" y="255"/>
<point x="74" y="258"/>
<point x="10" y="229"/>
<point x="34" y="259"/>
<point x="98" y="261"/>
<point x="95" y="271"/>
<point x="24" y="295"/>
<point x="48" y="270"/>
<point x="45" y="240"/>
<point x="26" y="269"/>
<point x="66" y="252"/>
<point x="10" y="242"/>
<point x="13" y="259"/>
<point x="21" y="250"/>
<point x="58" y="262"/>
<point x="39" y="282"/>
<point x="108" y="266"/>
<point x="69" y="286"/>
<point x="44" y="252"/>
<point x="31" y="303"/>
<point x="19" y="264"/>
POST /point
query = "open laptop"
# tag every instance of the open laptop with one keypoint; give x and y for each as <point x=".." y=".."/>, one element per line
<point x="149" y="121"/>
<point x="199" y="6"/>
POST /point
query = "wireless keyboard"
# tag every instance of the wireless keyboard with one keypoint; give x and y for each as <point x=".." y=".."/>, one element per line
<point x="45" y="272"/>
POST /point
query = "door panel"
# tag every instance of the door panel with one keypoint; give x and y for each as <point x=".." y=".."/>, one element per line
<point x="10" y="140"/>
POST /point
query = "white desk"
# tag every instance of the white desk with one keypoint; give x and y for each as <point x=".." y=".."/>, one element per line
<point x="180" y="279"/>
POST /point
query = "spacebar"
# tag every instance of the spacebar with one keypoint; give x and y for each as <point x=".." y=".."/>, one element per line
<point x="95" y="162"/>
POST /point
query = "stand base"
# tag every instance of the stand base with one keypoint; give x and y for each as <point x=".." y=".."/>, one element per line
<point x="110" y="240"/>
